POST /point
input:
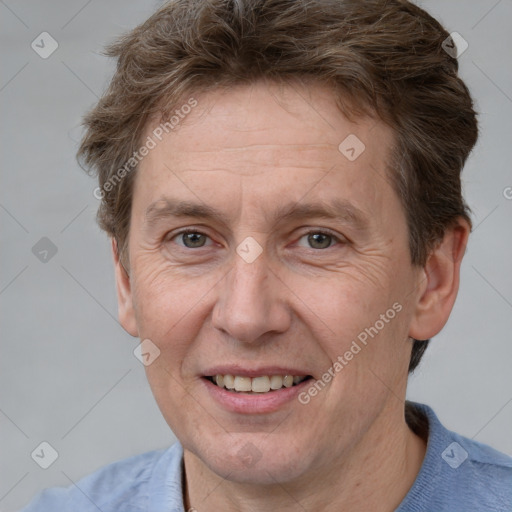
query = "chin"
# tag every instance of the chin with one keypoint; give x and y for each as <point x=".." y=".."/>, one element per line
<point x="255" y="461"/>
<point x="267" y="471"/>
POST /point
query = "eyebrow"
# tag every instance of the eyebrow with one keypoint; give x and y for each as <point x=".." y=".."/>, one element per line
<point x="337" y="209"/>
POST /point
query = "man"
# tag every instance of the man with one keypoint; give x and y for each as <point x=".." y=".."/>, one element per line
<point x="281" y="183"/>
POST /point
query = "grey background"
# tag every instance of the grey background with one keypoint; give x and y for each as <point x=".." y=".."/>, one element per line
<point x="68" y="373"/>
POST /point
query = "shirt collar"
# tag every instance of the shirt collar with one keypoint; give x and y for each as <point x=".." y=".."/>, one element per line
<point x="165" y="489"/>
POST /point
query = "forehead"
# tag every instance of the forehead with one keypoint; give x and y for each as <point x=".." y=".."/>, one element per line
<point x="265" y="141"/>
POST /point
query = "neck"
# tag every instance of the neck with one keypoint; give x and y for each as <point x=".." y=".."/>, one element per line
<point x="375" y="475"/>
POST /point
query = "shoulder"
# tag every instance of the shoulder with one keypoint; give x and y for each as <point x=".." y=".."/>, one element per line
<point x="459" y="474"/>
<point x="123" y="485"/>
<point x="485" y="473"/>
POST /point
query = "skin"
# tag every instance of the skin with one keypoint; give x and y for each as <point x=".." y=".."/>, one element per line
<point x="247" y="152"/>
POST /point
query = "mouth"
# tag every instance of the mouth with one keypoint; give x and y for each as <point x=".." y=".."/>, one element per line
<point x="260" y="385"/>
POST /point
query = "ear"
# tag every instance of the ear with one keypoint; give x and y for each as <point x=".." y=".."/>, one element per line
<point x="126" y="311"/>
<point x="438" y="283"/>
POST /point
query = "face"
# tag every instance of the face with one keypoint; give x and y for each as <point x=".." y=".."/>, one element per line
<point x="295" y="258"/>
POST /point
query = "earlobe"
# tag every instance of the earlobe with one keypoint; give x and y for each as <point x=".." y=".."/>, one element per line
<point x="438" y="284"/>
<point x="126" y="310"/>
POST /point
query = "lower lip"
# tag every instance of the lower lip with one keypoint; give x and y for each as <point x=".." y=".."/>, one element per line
<point x="254" y="403"/>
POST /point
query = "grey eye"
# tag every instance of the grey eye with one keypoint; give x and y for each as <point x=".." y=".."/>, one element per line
<point x="193" y="239"/>
<point x="319" y="240"/>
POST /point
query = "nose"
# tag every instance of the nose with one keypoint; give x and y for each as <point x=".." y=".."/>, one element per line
<point x="251" y="302"/>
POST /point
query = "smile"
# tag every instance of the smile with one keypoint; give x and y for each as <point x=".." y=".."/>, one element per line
<point x="260" y="384"/>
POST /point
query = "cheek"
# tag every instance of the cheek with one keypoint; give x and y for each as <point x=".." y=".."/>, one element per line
<point x="164" y="300"/>
<point x="350" y="319"/>
<point x="171" y="310"/>
<point x="341" y="306"/>
<point x="172" y="395"/>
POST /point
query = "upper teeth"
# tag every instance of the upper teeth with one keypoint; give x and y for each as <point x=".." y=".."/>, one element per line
<point x="257" y="384"/>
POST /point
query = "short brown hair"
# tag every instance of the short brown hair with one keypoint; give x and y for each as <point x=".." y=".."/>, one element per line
<point x="380" y="57"/>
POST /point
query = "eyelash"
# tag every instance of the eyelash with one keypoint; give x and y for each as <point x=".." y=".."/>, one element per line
<point x="335" y="238"/>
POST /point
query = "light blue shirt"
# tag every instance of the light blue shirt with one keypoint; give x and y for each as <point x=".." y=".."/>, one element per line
<point x="457" y="475"/>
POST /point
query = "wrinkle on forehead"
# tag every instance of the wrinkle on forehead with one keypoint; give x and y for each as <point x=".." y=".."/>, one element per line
<point x="233" y="138"/>
<point x="319" y="157"/>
